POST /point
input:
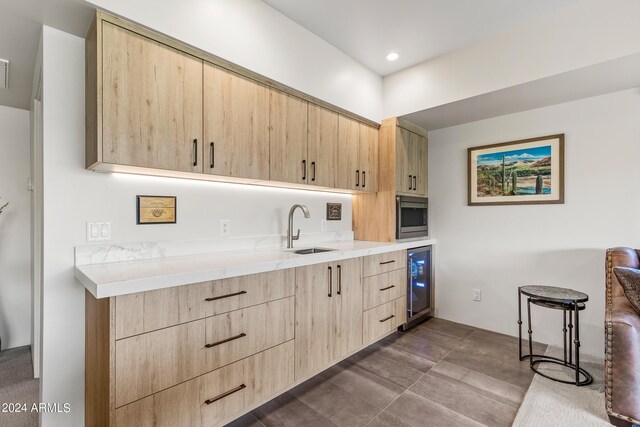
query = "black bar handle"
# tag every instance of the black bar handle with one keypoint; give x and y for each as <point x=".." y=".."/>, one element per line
<point x="313" y="165"/>
<point x="226" y="340"/>
<point x="225" y="394"/>
<point x="213" y="156"/>
<point x="387" y="318"/>
<point x="364" y="179"/>
<point x="225" y="296"/>
<point x="414" y="182"/>
<point x="358" y="178"/>
<point x="339" y="279"/>
<point x="330" y="281"/>
<point x="195" y="152"/>
<point x="410" y="182"/>
<point x="387" y="288"/>
<point x="304" y="170"/>
<point x="388" y="262"/>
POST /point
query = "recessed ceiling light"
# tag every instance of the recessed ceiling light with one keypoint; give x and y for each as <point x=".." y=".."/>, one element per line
<point x="392" y="56"/>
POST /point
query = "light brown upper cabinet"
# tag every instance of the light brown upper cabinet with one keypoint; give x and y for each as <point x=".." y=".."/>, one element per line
<point x="236" y="125"/>
<point x="368" y="158"/>
<point x="411" y="163"/>
<point x="151" y="103"/>
<point x="159" y="107"/>
<point x="357" y="156"/>
<point x="322" y="146"/>
<point x="288" y="138"/>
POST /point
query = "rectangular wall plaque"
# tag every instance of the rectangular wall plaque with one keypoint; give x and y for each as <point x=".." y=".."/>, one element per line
<point x="156" y="210"/>
<point x="334" y="211"/>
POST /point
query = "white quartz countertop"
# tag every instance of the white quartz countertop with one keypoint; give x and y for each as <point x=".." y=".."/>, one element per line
<point x="127" y="277"/>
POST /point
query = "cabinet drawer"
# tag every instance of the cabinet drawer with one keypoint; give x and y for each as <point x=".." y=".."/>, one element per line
<point x="148" y="311"/>
<point x="216" y="397"/>
<point x="149" y="363"/>
<point x="384" y="287"/>
<point x="381" y="263"/>
<point x="383" y="319"/>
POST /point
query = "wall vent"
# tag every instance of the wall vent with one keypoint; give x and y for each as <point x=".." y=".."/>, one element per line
<point x="4" y="74"/>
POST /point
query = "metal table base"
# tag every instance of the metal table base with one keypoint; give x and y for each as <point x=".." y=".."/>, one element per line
<point x="573" y="308"/>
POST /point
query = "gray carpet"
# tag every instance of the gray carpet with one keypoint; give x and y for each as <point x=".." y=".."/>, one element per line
<point x="550" y="403"/>
<point x="17" y="385"/>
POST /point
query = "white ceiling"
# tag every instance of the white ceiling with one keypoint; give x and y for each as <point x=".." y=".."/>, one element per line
<point x="417" y="30"/>
<point x="20" y="26"/>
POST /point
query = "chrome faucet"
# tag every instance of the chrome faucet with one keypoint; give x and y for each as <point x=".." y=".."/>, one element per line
<point x="290" y="236"/>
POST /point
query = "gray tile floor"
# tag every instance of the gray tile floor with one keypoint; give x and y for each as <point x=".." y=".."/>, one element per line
<point x="439" y="373"/>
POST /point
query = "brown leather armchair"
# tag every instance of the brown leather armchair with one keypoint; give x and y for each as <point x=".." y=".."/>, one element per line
<point x="622" y="344"/>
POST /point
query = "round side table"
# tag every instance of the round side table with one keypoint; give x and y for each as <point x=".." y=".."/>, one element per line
<point x="570" y="302"/>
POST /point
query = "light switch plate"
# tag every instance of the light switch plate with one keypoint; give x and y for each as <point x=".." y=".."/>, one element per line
<point x="98" y="231"/>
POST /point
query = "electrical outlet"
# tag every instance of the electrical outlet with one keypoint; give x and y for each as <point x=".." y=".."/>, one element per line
<point x="225" y="227"/>
<point x="477" y="295"/>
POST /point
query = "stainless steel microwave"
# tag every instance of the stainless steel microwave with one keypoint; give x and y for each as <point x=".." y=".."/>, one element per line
<point x="412" y="217"/>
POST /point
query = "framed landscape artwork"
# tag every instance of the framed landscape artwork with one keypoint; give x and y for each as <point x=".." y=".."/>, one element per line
<point x="529" y="171"/>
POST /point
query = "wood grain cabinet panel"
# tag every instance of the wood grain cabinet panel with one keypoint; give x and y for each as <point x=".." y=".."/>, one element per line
<point x="348" y="174"/>
<point x="288" y="138"/>
<point x="227" y="390"/>
<point x="381" y="263"/>
<point x="149" y="363"/>
<point x="328" y="314"/>
<point x="148" y="311"/>
<point x="383" y="288"/>
<point x="422" y="162"/>
<point x="322" y="146"/>
<point x="383" y="319"/>
<point x="368" y="158"/>
<point x="151" y="103"/>
<point x="236" y="125"/>
<point x="347" y="308"/>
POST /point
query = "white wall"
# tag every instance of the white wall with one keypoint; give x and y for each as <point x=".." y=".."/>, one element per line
<point x="15" y="234"/>
<point x="74" y="196"/>
<point x="498" y="248"/>
<point x="252" y="34"/>
<point x="583" y="34"/>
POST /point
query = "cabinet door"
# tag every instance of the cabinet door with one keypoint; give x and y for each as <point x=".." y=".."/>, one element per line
<point x="322" y="146"/>
<point x="151" y="103"/>
<point x="348" y="145"/>
<point x="315" y="293"/>
<point x="236" y="125"/>
<point x="404" y="182"/>
<point x="347" y="307"/>
<point x="287" y="138"/>
<point x="368" y="158"/>
<point x="422" y="161"/>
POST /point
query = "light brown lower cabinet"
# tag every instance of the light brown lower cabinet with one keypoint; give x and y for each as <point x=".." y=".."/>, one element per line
<point x="149" y="363"/>
<point x="383" y="319"/>
<point x="216" y="350"/>
<point x="213" y="398"/>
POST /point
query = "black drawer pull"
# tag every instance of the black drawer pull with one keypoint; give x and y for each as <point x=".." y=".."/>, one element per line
<point x="388" y="287"/>
<point x="414" y="183"/>
<point x="225" y="394"/>
<point x="225" y="340"/>
<point x="330" y="281"/>
<point x="358" y="178"/>
<point x="304" y="170"/>
<point x="226" y="296"/>
<point x="339" y="279"/>
<point x="313" y="166"/>
<point x="410" y="182"/>
<point x="364" y="179"/>
<point x="212" y="164"/>
<point x="387" y="318"/>
<point x="388" y="262"/>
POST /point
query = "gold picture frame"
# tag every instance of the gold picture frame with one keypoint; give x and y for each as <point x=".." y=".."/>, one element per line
<point x="527" y="171"/>
<point x="156" y="210"/>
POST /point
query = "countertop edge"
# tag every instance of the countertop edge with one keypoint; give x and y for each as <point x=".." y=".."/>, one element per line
<point x="118" y="288"/>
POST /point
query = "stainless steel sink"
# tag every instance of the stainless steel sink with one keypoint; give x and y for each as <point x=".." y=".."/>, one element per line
<point x="312" y="251"/>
